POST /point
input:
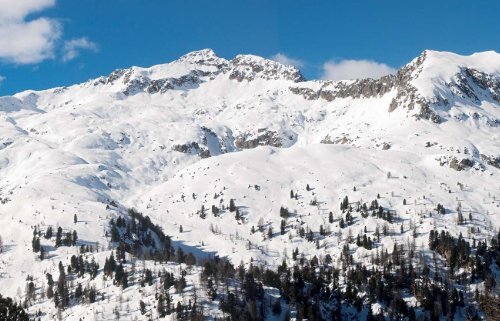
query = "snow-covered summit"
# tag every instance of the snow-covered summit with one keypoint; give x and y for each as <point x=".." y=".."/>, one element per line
<point x="191" y="70"/>
<point x="204" y="56"/>
<point x="435" y="71"/>
<point x="248" y="67"/>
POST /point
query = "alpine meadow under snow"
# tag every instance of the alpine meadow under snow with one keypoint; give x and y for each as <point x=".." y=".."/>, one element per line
<point x="237" y="189"/>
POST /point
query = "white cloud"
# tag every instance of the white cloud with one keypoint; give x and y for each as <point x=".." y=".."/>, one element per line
<point x="17" y="10"/>
<point x="26" y="40"/>
<point x="355" y="69"/>
<point x="284" y="59"/>
<point x="2" y="78"/>
<point x="72" y="48"/>
<point x="29" y="42"/>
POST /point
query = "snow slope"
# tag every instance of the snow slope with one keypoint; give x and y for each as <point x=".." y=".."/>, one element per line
<point x="146" y="137"/>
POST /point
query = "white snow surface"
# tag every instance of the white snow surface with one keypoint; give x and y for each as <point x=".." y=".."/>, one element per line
<point x="72" y="150"/>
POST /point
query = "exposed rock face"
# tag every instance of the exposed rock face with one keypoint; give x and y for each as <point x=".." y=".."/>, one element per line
<point x="474" y="85"/>
<point x="143" y="84"/>
<point x="365" y="88"/>
<point x="248" y="67"/>
<point x="467" y="84"/>
<point x="208" y="144"/>
<point x="407" y="95"/>
<point x="205" y="57"/>
<point x="264" y="137"/>
<point x="205" y="65"/>
<point x="307" y="93"/>
<point x="192" y="148"/>
<point x="344" y="139"/>
<point x="491" y="160"/>
<point x="423" y="94"/>
<point x="202" y="65"/>
<point x="462" y="164"/>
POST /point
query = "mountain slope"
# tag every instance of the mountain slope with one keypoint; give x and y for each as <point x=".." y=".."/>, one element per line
<point x="165" y="139"/>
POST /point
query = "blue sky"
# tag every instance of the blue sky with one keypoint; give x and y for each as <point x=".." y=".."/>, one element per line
<point x="48" y="43"/>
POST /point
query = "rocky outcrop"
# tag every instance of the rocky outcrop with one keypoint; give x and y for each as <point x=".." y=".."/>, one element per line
<point x="306" y="93"/>
<point x="469" y="84"/>
<point x="204" y="65"/>
<point x="342" y="140"/>
<point x="264" y="137"/>
<point x="192" y="148"/>
<point x="474" y="85"/>
<point x="248" y="67"/>
<point x="208" y="144"/>
<point x="460" y="165"/>
<point x="366" y="88"/>
<point x="142" y="84"/>
<point x="407" y="96"/>
<point x="491" y="160"/>
<point x="204" y="57"/>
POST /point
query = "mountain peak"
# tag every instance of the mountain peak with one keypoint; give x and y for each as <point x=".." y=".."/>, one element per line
<point x="437" y="71"/>
<point x="204" y="57"/>
<point x="249" y="66"/>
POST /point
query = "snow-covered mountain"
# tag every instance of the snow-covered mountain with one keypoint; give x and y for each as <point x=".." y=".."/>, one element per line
<point x="179" y="141"/>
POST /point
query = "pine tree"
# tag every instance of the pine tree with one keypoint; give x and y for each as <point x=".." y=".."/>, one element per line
<point x="92" y="295"/>
<point x="78" y="291"/>
<point x="115" y="234"/>
<point x="284" y="212"/>
<point x="178" y="310"/>
<point x="344" y="205"/>
<point x="50" y="284"/>
<point x="341" y="223"/>
<point x="310" y="235"/>
<point x="48" y="232"/>
<point x="276" y="307"/>
<point x="74" y="238"/>
<point x="148" y="277"/>
<point x="282" y="227"/>
<point x="124" y="280"/>
<point x="42" y="253"/>
<point x="59" y="237"/>
<point x="36" y="244"/>
<point x="75" y="218"/>
<point x="9" y="310"/>
<point x="62" y="289"/>
<point x="232" y="207"/>
<point x="330" y="217"/>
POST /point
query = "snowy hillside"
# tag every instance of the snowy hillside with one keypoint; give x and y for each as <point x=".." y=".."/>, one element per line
<point x="246" y="160"/>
